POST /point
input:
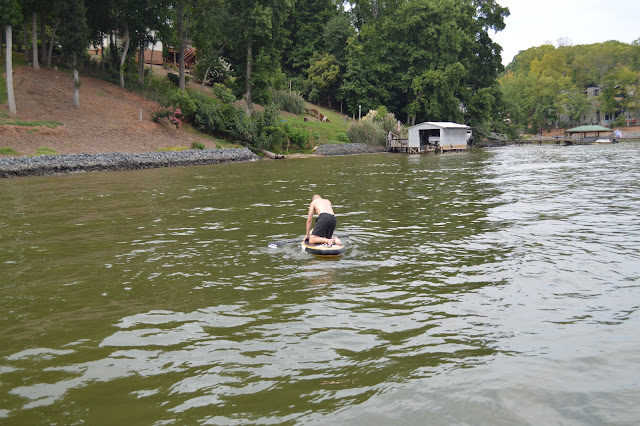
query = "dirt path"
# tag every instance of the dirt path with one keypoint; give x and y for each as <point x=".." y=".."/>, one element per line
<point x="108" y="119"/>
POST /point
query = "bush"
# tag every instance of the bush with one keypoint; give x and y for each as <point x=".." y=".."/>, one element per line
<point x="385" y="119"/>
<point x="215" y="117"/>
<point x="197" y="145"/>
<point x="218" y="73"/>
<point x="223" y="93"/>
<point x="299" y="137"/>
<point x="183" y="101"/>
<point x="620" y="121"/>
<point x="290" y="102"/>
<point x="210" y="117"/>
<point x="169" y="115"/>
<point x="278" y="138"/>
<point x="367" y="132"/>
<point x="174" y="78"/>
<point x="342" y="137"/>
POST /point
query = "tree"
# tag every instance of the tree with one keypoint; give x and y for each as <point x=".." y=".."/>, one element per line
<point x="324" y="73"/>
<point x="74" y="39"/>
<point x="336" y="34"/>
<point x="211" y="35"/>
<point x="427" y="58"/>
<point x="184" y="11"/>
<point x="258" y="46"/>
<point x="9" y="15"/>
<point x="306" y="23"/>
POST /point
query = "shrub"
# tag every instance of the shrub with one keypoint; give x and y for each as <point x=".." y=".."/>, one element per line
<point x="214" y="117"/>
<point x="223" y="93"/>
<point x="299" y="137"/>
<point x="620" y="121"/>
<point x="187" y="106"/>
<point x="367" y="132"/>
<point x="277" y="138"/>
<point x="197" y="145"/>
<point x="342" y="137"/>
<point x="290" y="102"/>
<point x="174" y="78"/>
<point x="385" y="119"/>
<point x="168" y="115"/>
<point x="219" y="72"/>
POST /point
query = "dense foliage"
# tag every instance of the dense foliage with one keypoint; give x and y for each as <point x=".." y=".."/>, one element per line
<point x="422" y="59"/>
<point x="571" y="85"/>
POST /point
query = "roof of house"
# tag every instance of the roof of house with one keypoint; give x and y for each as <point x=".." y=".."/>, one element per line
<point x="583" y="129"/>
<point x="442" y="125"/>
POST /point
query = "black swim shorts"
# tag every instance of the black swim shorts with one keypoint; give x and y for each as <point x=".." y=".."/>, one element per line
<point x="325" y="225"/>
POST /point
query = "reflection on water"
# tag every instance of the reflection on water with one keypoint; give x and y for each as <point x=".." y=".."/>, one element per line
<point x="491" y="286"/>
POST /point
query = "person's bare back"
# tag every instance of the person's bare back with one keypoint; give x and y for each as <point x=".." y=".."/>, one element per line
<point x="320" y="206"/>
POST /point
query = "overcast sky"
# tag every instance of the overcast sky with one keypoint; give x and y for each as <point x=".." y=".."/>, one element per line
<point x="532" y="23"/>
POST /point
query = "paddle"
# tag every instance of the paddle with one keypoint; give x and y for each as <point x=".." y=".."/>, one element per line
<point x="277" y="244"/>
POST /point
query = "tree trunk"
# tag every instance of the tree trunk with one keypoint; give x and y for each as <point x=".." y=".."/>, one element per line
<point x="1" y="48"/>
<point x="43" y="36"/>
<point x="181" y="81"/>
<point x="25" y="36"/>
<point x="141" y="63"/>
<point x="76" y="84"/>
<point x="248" y="100"/>
<point x="9" y="67"/>
<point x="53" y="37"/>
<point x="34" y="39"/>
<point x="183" y="35"/>
<point x="124" y="56"/>
<point x="206" y="74"/>
<point x="114" y="52"/>
<point x="101" y="50"/>
<point x="153" y="48"/>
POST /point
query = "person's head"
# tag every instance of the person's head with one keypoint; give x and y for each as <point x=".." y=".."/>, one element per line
<point x="315" y="197"/>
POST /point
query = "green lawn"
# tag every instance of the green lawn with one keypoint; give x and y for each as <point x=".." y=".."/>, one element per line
<point x="49" y="124"/>
<point x="321" y="132"/>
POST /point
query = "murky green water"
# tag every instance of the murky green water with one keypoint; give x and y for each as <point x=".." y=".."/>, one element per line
<point x="491" y="287"/>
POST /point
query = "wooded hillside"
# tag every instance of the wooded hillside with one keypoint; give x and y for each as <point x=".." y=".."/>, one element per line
<point x="422" y="59"/>
<point x="549" y="86"/>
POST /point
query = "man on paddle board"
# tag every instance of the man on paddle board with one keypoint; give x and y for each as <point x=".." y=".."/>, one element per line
<point x="325" y="223"/>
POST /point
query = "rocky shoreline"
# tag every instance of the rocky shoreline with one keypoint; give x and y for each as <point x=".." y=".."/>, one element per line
<point x="75" y="163"/>
<point x="348" y="149"/>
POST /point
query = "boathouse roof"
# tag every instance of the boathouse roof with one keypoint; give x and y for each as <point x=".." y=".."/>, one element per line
<point x="441" y="125"/>
<point x="583" y="129"/>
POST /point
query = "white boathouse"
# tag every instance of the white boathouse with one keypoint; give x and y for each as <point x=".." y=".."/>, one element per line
<point x="432" y="136"/>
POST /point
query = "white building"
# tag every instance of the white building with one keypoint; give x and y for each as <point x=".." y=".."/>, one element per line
<point x="437" y="136"/>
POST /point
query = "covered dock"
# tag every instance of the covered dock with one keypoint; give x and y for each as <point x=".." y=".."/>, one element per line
<point x="587" y="135"/>
<point x="430" y="137"/>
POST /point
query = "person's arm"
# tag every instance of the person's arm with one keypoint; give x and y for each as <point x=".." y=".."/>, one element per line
<point x="309" y="220"/>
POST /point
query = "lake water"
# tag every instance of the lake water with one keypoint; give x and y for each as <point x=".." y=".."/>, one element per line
<point x="490" y="287"/>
